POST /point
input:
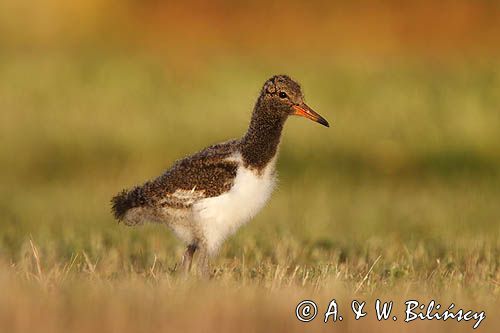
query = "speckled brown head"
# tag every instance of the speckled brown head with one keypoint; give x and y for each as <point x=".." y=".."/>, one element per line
<point x="283" y="97"/>
<point x="279" y="98"/>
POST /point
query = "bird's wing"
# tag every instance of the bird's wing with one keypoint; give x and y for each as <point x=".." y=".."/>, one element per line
<point x="181" y="198"/>
<point x="206" y="174"/>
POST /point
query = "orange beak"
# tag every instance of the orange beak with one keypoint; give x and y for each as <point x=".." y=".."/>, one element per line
<point x="305" y="111"/>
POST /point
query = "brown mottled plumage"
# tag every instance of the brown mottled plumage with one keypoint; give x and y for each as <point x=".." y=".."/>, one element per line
<point x="216" y="178"/>
<point x="238" y="175"/>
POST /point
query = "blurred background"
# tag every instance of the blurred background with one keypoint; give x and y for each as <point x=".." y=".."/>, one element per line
<point x="99" y="95"/>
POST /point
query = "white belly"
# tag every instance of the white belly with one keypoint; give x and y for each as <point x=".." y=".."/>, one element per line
<point x="221" y="216"/>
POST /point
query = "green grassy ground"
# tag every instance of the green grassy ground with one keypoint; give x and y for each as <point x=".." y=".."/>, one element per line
<point x="398" y="199"/>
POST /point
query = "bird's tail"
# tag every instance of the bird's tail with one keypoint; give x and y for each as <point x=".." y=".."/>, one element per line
<point x="126" y="200"/>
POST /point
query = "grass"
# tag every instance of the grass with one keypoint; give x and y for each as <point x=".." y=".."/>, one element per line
<point x="397" y="200"/>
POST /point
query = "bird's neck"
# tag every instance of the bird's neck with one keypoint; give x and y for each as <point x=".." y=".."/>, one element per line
<point x="260" y="143"/>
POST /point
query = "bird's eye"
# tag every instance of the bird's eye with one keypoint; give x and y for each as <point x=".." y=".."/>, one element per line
<point x="282" y="94"/>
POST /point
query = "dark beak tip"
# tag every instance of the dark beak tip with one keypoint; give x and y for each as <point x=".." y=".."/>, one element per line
<point x="324" y="122"/>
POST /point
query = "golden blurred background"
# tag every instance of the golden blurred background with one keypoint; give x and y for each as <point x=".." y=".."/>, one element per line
<point x="295" y="29"/>
<point x="398" y="198"/>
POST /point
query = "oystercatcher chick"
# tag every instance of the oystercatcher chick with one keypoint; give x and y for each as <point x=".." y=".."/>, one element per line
<point x="206" y="197"/>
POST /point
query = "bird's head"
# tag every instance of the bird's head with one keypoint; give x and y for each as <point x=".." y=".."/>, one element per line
<point x="283" y="97"/>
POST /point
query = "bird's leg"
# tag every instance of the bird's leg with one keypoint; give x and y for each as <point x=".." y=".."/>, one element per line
<point x="203" y="261"/>
<point x="187" y="258"/>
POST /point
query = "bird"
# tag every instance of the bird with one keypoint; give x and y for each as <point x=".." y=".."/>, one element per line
<point x="204" y="198"/>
